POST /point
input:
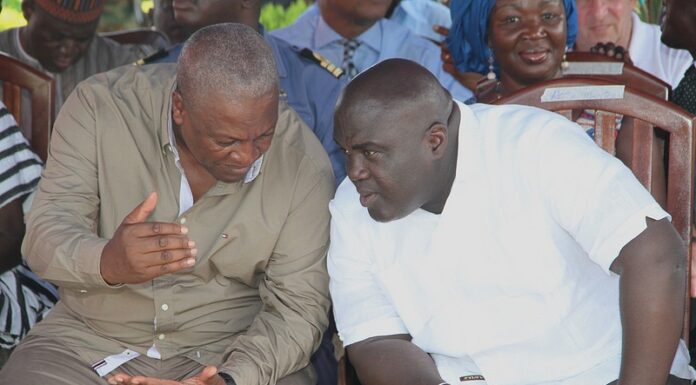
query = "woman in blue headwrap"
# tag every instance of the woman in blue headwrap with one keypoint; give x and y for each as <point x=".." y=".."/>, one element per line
<point x="518" y="42"/>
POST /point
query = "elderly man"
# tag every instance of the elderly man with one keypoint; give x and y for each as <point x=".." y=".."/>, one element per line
<point x="613" y="21"/>
<point x="356" y="34"/>
<point x="500" y="240"/>
<point x="183" y="214"/>
<point x="60" y="38"/>
<point x="308" y="82"/>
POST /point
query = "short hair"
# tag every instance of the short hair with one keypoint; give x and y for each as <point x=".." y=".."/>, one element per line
<point x="228" y="59"/>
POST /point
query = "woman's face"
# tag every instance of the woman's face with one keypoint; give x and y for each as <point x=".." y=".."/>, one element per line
<point x="528" y="40"/>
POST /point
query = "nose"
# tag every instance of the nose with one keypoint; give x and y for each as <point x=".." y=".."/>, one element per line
<point x="67" y="47"/>
<point x="534" y="29"/>
<point x="355" y="168"/>
<point x="596" y="8"/>
<point x="246" y="154"/>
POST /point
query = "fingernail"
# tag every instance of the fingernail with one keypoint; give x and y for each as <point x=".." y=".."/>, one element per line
<point x="194" y="252"/>
<point x="191" y="243"/>
<point x="184" y="230"/>
<point x="190" y="261"/>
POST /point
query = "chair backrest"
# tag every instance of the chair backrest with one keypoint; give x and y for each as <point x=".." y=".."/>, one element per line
<point x="145" y="36"/>
<point x="17" y="77"/>
<point x="601" y="66"/>
<point x="643" y="114"/>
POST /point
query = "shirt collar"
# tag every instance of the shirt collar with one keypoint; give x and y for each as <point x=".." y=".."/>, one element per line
<point x="325" y="35"/>
<point x="169" y="141"/>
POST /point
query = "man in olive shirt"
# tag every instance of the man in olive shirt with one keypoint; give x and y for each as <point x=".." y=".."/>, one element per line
<point x="219" y="275"/>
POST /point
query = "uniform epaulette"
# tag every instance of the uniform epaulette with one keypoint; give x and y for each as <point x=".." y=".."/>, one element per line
<point x="149" y="59"/>
<point x="322" y="61"/>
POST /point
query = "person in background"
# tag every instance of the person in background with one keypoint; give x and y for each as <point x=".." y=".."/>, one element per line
<point x="356" y="34"/>
<point x="679" y="31"/>
<point x="162" y="17"/>
<point x="616" y="23"/>
<point x="309" y="83"/>
<point x="420" y="16"/>
<point x="60" y="38"/>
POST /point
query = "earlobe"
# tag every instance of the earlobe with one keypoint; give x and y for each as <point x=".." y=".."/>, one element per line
<point x="437" y="139"/>
<point x="177" y="108"/>
<point x="27" y="9"/>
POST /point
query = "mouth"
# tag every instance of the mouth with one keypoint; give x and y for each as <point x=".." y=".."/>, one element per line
<point x="600" y="29"/>
<point x="534" y="56"/>
<point x="182" y="5"/>
<point x="62" y="62"/>
<point x="367" y="198"/>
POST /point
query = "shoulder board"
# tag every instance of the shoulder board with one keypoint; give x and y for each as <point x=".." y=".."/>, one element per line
<point x="149" y="59"/>
<point x="322" y="61"/>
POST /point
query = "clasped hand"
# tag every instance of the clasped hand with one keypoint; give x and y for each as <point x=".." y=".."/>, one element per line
<point x="140" y="251"/>
<point x="206" y="377"/>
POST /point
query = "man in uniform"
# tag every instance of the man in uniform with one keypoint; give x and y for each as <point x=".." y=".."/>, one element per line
<point x="183" y="215"/>
<point x="308" y="82"/>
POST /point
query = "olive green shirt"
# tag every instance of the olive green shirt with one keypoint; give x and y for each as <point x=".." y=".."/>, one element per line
<point x="256" y="301"/>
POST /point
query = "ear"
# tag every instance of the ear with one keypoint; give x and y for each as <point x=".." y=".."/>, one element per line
<point x="28" y="9"/>
<point x="436" y="139"/>
<point x="178" y="110"/>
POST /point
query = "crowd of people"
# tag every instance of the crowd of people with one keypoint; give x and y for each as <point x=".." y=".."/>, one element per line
<point x="239" y="207"/>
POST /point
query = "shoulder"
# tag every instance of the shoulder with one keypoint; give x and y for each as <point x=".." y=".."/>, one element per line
<point x="316" y="60"/>
<point x="401" y="39"/>
<point x="301" y="31"/>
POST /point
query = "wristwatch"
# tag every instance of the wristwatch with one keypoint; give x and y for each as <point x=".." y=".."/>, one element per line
<point x="228" y="379"/>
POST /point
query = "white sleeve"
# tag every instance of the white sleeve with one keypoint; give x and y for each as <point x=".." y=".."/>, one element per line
<point x="361" y="308"/>
<point x="592" y="194"/>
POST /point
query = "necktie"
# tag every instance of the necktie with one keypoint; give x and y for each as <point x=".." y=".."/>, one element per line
<point x="349" y="47"/>
<point x="685" y="93"/>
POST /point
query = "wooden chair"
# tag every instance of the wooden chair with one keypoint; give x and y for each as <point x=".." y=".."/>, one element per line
<point x="590" y="64"/>
<point x="642" y="113"/>
<point x="139" y="36"/>
<point x="17" y="77"/>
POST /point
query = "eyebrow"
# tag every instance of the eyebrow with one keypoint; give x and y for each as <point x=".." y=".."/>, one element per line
<point x="368" y="144"/>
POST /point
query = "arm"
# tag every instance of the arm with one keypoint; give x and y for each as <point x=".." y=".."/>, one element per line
<point x="294" y="290"/>
<point x="652" y="289"/>
<point x="11" y="234"/>
<point x="392" y="360"/>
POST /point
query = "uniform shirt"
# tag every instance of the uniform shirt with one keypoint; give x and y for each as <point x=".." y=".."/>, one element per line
<point x="386" y="39"/>
<point x="652" y="56"/>
<point x="256" y="301"/>
<point x="421" y="15"/>
<point x="309" y="89"/>
<point x="515" y="272"/>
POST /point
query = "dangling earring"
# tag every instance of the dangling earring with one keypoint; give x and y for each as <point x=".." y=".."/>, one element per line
<point x="564" y="62"/>
<point x="491" y="69"/>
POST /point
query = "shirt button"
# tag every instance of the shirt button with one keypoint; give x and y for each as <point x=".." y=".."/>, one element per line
<point x="182" y="220"/>
<point x="160" y="337"/>
<point x="165" y="307"/>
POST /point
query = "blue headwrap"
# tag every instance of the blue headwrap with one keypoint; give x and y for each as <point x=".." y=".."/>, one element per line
<point x="468" y="37"/>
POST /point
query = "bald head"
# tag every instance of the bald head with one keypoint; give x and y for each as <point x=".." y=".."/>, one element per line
<point x="391" y="89"/>
<point x="228" y="60"/>
<point x="398" y="128"/>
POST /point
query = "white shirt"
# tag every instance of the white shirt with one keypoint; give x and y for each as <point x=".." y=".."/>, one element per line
<point x="649" y="53"/>
<point x="514" y="274"/>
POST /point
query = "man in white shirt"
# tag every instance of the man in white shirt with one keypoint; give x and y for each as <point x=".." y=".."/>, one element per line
<point x="499" y="240"/>
<point x="613" y="21"/>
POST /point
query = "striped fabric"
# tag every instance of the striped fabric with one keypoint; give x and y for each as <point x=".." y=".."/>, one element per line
<point x="24" y="298"/>
<point x="73" y="11"/>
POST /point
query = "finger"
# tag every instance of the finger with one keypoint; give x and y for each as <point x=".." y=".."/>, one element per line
<point x="140" y="380"/>
<point x="444" y="31"/>
<point x="150" y="229"/>
<point x="143" y="210"/>
<point x="168" y="256"/>
<point x="208" y="375"/>
<point x="157" y="244"/>
<point x="118" y="378"/>
<point x="168" y="268"/>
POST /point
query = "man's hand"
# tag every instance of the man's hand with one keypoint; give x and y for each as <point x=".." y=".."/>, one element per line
<point x="208" y="376"/>
<point x="140" y="251"/>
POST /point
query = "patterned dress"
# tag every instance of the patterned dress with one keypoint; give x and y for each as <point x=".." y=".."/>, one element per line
<point x="24" y="298"/>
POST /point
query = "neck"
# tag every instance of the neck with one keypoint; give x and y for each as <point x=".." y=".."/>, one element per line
<point x="345" y="26"/>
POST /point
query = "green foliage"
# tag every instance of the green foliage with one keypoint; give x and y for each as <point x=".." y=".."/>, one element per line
<point x="650" y="10"/>
<point x="274" y="16"/>
<point x="11" y="15"/>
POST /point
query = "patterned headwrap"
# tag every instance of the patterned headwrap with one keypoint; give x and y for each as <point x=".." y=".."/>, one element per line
<point x="73" y="11"/>
<point x="468" y="37"/>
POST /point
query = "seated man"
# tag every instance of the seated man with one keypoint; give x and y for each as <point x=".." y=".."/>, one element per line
<point x="60" y="38"/>
<point x="679" y="30"/>
<point x="499" y="239"/>
<point x="615" y="22"/>
<point x="356" y="34"/>
<point x="24" y="298"/>
<point x="308" y="88"/>
<point x="183" y="214"/>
